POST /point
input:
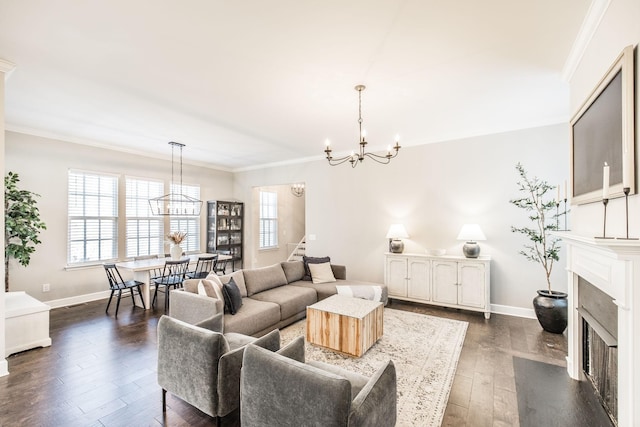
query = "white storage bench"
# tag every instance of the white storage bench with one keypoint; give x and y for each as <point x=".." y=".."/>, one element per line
<point x="26" y="323"/>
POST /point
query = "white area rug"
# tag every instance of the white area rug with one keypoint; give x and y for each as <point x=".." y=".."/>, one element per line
<point x="425" y="350"/>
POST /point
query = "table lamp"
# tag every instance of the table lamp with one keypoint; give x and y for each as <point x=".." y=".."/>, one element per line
<point x="471" y="233"/>
<point x="395" y="233"/>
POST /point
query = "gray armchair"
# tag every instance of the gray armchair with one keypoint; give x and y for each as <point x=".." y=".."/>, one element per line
<point x="281" y="389"/>
<point x="202" y="366"/>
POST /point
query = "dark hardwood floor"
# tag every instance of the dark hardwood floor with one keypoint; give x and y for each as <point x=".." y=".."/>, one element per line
<point x="100" y="371"/>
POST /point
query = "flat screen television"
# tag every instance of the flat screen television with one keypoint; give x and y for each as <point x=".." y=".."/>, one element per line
<point x="602" y="131"/>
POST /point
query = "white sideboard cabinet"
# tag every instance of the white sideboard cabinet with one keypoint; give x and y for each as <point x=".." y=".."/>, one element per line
<point x="450" y="281"/>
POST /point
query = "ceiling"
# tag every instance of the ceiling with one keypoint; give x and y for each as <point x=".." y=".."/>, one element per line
<point x="247" y="83"/>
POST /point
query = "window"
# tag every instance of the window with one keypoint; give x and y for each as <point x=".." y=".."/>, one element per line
<point x="145" y="232"/>
<point x="187" y="224"/>
<point x="268" y="219"/>
<point x="93" y="217"/>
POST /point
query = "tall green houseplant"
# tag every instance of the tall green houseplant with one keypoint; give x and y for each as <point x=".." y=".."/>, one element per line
<point x="22" y="224"/>
<point x="550" y="306"/>
<point x="543" y="248"/>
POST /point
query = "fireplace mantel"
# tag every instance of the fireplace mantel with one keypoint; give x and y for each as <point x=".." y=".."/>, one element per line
<point x="613" y="266"/>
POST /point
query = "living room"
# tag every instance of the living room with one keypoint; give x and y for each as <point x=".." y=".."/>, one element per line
<point x="433" y="189"/>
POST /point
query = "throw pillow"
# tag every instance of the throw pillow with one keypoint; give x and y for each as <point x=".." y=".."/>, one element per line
<point x="232" y="297"/>
<point x="312" y="260"/>
<point x="210" y="289"/>
<point x="201" y="290"/>
<point x="321" y="273"/>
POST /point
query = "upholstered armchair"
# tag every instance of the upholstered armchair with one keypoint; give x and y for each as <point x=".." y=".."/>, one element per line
<point x="279" y="388"/>
<point x="202" y="366"/>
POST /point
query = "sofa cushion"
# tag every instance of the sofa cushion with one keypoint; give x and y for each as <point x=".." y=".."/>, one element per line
<point x="232" y="298"/>
<point x="312" y="260"/>
<point x="323" y="290"/>
<point x="238" y="277"/>
<point x="254" y="316"/>
<point x="261" y="279"/>
<point x="321" y="273"/>
<point x="293" y="270"/>
<point x="291" y="299"/>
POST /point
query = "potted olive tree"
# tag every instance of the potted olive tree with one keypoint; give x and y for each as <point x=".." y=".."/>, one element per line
<point x="550" y="306"/>
<point x="22" y="224"/>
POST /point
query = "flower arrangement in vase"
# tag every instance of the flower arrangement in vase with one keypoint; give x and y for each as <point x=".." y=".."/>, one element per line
<point x="175" y="238"/>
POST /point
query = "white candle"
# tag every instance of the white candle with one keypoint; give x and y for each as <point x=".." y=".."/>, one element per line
<point x="627" y="173"/>
<point x="605" y="181"/>
<point x="565" y="189"/>
<point x="558" y="196"/>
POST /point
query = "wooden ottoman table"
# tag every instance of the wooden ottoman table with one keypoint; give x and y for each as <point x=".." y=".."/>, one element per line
<point x="348" y="325"/>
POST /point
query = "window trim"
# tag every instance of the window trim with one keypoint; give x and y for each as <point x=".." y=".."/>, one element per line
<point x="70" y="218"/>
<point x="273" y="220"/>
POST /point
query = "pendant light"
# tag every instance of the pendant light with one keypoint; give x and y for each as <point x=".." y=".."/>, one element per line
<point x="175" y="204"/>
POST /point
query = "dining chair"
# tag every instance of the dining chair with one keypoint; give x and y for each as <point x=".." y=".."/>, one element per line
<point x="220" y="265"/>
<point x="117" y="284"/>
<point x="204" y="266"/>
<point x="173" y="274"/>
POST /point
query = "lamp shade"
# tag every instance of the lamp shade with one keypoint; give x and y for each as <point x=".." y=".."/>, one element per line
<point x="397" y="231"/>
<point x="471" y="233"/>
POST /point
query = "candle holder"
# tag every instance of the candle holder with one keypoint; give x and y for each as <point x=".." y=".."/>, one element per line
<point x="557" y="215"/>
<point x="566" y="214"/>
<point x="626" y="191"/>
<point x="605" y="202"/>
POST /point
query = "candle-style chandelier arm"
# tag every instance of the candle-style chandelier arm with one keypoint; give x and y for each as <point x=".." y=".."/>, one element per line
<point x="355" y="158"/>
<point x="386" y="158"/>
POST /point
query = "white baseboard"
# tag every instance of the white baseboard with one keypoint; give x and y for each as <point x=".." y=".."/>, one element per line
<point x="78" y="299"/>
<point x="513" y="311"/>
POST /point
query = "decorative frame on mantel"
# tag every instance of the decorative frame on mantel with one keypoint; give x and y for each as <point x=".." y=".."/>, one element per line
<point x="603" y="131"/>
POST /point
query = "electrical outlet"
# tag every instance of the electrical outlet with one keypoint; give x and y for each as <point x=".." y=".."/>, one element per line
<point x="46" y="287"/>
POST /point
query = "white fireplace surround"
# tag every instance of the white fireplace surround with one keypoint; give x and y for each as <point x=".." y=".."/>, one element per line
<point x="613" y="266"/>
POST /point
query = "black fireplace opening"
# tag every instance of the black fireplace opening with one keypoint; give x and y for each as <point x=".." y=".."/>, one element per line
<point x="600" y="344"/>
<point x="600" y="367"/>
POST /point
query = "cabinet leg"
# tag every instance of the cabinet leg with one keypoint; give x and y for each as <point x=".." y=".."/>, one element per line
<point x="487" y="315"/>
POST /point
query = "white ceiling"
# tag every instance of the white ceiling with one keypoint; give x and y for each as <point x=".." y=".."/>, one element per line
<point x="245" y="83"/>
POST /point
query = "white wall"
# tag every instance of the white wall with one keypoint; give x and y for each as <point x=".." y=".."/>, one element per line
<point x="42" y="165"/>
<point x="619" y="28"/>
<point x="433" y="189"/>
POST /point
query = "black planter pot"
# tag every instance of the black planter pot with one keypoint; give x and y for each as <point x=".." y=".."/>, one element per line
<point x="551" y="310"/>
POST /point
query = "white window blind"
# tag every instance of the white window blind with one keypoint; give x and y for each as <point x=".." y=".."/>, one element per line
<point x="93" y="217"/>
<point x="187" y="224"/>
<point x="268" y="219"/>
<point x="145" y="232"/>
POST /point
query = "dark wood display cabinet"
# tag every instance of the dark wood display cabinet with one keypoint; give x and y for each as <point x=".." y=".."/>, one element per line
<point x="225" y="225"/>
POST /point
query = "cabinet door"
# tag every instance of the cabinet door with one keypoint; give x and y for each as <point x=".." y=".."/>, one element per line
<point x="445" y="282"/>
<point x="472" y="285"/>
<point x="419" y="279"/>
<point x="396" y="277"/>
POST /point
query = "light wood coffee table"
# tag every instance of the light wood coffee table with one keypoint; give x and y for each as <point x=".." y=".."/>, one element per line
<point x="345" y="324"/>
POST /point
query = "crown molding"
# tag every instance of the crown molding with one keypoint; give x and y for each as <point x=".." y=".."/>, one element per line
<point x="588" y="28"/>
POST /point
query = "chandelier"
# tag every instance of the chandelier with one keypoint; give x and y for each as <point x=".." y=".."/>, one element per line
<point x="175" y="204"/>
<point x="355" y="158"/>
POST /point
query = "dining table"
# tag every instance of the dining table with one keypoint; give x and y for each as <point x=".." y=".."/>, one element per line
<point x="142" y="269"/>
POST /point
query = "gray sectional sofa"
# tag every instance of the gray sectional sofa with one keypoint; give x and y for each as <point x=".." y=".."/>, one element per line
<point x="272" y="297"/>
